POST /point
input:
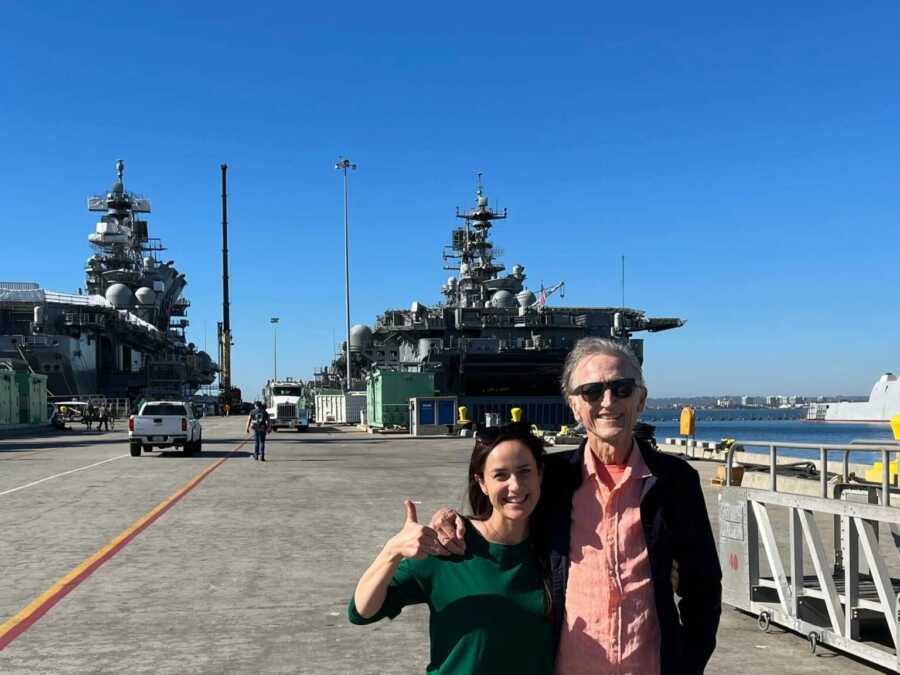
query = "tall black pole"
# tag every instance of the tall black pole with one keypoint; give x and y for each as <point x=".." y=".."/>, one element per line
<point x="225" y="379"/>
<point x="345" y="164"/>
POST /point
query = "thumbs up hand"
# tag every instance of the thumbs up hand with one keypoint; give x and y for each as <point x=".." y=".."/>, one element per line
<point x="414" y="540"/>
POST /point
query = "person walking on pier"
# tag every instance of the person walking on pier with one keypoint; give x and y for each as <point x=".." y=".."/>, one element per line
<point x="496" y="591"/>
<point x="260" y="422"/>
<point x="102" y="417"/>
<point x="89" y="413"/>
<point x="628" y="528"/>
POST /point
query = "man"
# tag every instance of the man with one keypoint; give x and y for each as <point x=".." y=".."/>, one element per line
<point x="260" y="422"/>
<point x="102" y="417"/>
<point x="619" y="522"/>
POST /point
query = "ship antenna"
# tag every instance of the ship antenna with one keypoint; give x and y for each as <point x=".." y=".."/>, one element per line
<point x="120" y="169"/>
<point x="479" y="190"/>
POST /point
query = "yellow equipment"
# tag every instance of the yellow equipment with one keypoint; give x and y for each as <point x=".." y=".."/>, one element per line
<point x="876" y="473"/>
<point x="516" y="414"/>
<point x="688" y="421"/>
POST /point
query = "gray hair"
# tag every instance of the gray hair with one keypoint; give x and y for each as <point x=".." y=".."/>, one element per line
<point x="589" y="346"/>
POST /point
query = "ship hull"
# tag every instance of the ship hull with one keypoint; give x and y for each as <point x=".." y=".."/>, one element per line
<point x="515" y="373"/>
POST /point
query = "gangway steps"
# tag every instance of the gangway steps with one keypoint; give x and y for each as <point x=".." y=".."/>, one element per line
<point x="868" y="592"/>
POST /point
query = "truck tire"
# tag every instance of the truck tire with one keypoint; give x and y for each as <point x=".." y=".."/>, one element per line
<point x="303" y="428"/>
<point x="135" y="448"/>
<point x="198" y="446"/>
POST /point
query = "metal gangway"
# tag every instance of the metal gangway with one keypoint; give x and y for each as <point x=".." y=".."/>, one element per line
<point x="844" y="595"/>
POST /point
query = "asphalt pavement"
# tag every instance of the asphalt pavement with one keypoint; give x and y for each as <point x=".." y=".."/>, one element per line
<point x="220" y="564"/>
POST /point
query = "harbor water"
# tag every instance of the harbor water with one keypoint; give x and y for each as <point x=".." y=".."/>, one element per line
<point x="784" y="426"/>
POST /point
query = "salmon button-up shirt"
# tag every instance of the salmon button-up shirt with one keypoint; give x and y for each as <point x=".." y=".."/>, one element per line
<point x="610" y="614"/>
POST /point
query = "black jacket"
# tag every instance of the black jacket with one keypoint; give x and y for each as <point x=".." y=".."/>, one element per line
<point x="676" y="527"/>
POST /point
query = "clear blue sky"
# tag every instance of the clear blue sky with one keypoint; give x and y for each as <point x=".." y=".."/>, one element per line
<point x="744" y="158"/>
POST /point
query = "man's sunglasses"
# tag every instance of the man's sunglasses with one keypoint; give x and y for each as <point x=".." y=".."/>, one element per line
<point x="593" y="391"/>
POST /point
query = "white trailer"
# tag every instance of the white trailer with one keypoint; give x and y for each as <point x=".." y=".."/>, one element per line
<point x="340" y="408"/>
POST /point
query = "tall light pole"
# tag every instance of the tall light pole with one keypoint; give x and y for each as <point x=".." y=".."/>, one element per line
<point x="274" y="322"/>
<point x="345" y="164"/>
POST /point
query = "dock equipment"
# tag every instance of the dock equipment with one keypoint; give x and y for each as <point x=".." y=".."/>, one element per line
<point x="851" y="600"/>
<point x="388" y="393"/>
<point x="32" y="398"/>
<point x="9" y="398"/>
<point x="432" y="415"/>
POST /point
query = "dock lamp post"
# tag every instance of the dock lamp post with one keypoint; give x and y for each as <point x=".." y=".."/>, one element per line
<point x="344" y="164"/>
<point x="274" y="322"/>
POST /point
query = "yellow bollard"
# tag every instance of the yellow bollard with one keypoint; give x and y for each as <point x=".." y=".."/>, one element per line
<point x="516" y="414"/>
<point x="463" y="414"/>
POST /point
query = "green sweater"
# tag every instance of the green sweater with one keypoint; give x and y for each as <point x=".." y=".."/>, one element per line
<point x="488" y="610"/>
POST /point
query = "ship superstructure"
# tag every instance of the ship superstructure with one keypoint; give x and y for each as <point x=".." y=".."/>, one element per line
<point x="883" y="404"/>
<point x="491" y="337"/>
<point x="124" y="337"/>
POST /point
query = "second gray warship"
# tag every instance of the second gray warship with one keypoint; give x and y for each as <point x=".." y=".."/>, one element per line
<point x="125" y="336"/>
<point x="491" y="339"/>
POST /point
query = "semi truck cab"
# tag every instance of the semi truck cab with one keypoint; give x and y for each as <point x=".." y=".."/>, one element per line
<point x="286" y="404"/>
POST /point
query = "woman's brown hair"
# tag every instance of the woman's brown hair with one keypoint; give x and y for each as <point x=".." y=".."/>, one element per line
<point x="485" y="441"/>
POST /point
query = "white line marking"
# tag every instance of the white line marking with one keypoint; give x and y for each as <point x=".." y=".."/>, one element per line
<point x="64" y="473"/>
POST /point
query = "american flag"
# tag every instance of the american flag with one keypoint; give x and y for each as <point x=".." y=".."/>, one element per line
<point x="542" y="297"/>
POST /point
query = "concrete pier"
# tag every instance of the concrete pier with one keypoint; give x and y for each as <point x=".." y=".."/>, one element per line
<point x="249" y="568"/>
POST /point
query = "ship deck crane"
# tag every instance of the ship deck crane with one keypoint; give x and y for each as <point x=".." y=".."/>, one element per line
<point x="547" y="292"/>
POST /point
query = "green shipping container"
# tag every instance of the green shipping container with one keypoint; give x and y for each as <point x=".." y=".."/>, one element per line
<point x="9" y="398"/>
<point x="388" y="393"/>
<point x="32" y="398"/>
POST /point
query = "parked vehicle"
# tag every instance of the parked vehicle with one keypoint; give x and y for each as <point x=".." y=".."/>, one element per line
<point x="54" y="418"/>
<point x="286" y="402"/>
<point x="72" y="411"/>
<point x="165" y="424"/>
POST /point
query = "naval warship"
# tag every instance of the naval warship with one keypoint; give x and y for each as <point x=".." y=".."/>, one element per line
<point x="491" y="341"/>
<point x="124" y="337"/>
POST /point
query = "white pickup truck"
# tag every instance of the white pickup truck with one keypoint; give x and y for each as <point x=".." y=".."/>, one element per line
<point x="164" y="424"/>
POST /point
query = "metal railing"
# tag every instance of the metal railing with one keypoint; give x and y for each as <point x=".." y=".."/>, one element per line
<point x="851" y="602"/>
<point x="884" y="450"/>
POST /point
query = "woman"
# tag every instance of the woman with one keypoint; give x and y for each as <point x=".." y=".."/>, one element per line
<point x="492" y="595"/>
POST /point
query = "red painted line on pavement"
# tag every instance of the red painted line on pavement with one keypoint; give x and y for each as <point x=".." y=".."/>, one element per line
<point x="24" y="619"/>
